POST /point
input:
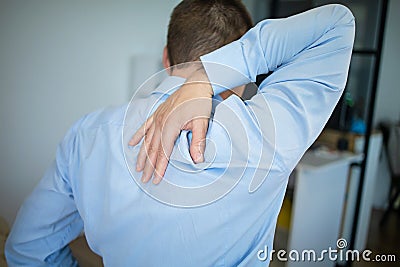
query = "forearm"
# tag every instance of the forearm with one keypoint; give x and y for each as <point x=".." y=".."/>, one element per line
<point x="274" y="43"/>
<point x="309" y="56"/>
<point x="48" y="220"/>
<point x="45" y="224"/>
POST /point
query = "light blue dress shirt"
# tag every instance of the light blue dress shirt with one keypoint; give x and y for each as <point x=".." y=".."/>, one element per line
<point x="253" y="147"/>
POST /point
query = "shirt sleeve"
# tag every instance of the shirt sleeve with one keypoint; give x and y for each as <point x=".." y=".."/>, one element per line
<point x="308" y="56"/>
<point x="48" y="220"/>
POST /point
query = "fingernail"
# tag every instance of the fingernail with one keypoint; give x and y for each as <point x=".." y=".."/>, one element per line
<point x="156" y="180"/>
<point x="131" y="143"/>
<point x="138" y="167"/>
<point x="199" y="157"/>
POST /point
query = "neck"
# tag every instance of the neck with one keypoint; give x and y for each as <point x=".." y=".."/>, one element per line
<point x="186" y="70"/>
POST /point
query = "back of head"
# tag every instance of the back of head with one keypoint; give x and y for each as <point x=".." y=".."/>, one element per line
<point x="198" y="27"/>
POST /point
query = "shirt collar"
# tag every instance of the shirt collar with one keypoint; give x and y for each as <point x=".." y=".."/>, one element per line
<point x="172" y="83"/>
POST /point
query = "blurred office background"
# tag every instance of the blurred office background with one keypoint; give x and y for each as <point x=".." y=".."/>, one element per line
<point x="371" y="97"/>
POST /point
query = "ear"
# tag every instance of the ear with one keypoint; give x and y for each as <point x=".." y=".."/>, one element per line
<point x="165" y="58"/>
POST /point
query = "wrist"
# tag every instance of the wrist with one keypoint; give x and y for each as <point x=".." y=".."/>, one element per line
<point x="200" y="76"/>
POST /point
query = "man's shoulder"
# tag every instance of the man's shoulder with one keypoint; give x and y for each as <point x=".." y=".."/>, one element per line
<point x="102" y="124"/>
<point x="112" y="116"/>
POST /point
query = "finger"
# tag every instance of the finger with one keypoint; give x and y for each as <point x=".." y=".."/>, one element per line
<point x="168" y="138"/>
<point x="151" y="157"/>
<point x="199" y="130"/>
<point x="163" y="160"/>
<point x="141" y="158"/>
<point x="141" y="132"/>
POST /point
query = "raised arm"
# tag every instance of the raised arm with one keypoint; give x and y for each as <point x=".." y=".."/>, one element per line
<point x="274" y="43"/>
<point x="309" y="56"/>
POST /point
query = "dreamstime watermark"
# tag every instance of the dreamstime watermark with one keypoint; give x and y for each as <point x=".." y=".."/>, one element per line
<point x="251" y="160"/>
<point x="330" y="254"/>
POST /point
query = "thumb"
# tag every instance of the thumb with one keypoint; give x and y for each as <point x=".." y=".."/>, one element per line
<point x="198" y="144"/>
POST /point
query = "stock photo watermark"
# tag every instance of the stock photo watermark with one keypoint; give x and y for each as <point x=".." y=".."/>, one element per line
<point x="235" y="159"/>
<point x="329" y="254"/>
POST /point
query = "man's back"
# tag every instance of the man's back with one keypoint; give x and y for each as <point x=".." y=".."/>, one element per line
<point x="123" y="223"/>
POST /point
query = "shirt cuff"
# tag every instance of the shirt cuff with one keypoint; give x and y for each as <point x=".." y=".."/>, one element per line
<point x="226" y="67"/>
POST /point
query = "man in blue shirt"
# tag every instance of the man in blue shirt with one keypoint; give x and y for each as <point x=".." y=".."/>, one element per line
<point x="186" y="220"/>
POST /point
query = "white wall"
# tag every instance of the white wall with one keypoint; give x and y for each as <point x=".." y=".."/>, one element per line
<point x="387" y="105"/>
<point x="58" y="61"/>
